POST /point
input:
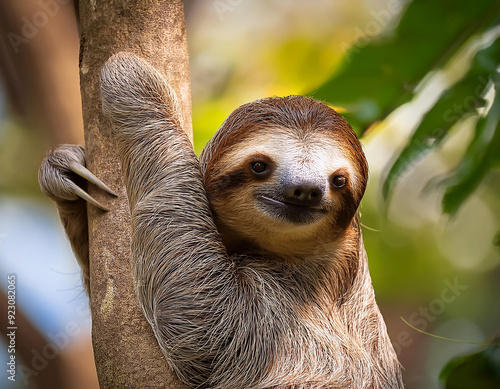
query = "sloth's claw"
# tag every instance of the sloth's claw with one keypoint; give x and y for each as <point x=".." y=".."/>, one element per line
<point x="57" y="180"/>
<point x="83" y="172"/>
<point x="85" y="196"/>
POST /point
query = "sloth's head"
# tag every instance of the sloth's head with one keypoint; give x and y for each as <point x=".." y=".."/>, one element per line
<point x="284" y="174"/>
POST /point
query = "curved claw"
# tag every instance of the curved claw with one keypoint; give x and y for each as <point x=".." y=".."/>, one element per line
<point x="84" y="195"/>
<point x="85" y="173"/>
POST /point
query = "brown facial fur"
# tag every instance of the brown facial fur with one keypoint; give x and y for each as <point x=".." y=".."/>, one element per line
<point x="296" y="137"/>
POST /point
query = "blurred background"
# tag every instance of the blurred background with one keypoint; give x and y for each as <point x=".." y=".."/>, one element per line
<point x="417" y="81"/>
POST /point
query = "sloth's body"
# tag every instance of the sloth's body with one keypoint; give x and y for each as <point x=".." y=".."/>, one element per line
<point x="249" y="266"/>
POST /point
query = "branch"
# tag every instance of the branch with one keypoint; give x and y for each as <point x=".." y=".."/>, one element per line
<point x="126" y="352"/>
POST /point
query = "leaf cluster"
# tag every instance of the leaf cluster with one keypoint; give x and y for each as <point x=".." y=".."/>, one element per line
<point x="379" y="77"/>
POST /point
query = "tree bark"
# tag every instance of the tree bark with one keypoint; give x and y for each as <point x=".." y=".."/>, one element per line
<point x="126" y="352"/>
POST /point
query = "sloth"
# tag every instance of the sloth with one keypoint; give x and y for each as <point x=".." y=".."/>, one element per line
<point x="249" y="263"/>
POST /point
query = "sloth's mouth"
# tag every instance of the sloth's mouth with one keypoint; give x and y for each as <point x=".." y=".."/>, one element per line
<point x="290" y="212"/>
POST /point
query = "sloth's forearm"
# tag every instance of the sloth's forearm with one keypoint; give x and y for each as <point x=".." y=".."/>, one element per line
<point x="185" y="281"/>
<point x="184" y="278"/>
<point x="171" y="220"/>
<point x="175" y="241"/>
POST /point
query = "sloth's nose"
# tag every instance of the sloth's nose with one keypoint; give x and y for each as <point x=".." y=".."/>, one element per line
<point x="304" y="194"/>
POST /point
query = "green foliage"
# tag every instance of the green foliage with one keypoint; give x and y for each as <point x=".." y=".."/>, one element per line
<point x="457" y="103"/>
<point x="482" y="155"/>
<point x="477" y="370"/>
<point x="380" y="77"/>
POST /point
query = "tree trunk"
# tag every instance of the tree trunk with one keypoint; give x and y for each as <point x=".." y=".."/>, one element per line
<point x="126" y="352"/>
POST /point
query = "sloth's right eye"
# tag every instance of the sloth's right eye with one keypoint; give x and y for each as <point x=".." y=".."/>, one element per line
<point x="259" y="167"/>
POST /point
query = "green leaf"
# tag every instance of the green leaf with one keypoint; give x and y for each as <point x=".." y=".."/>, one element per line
<point x="377" y="78"/>
<point x="478" y="370"/>
<point x="458" y="102"/>
<point x="482" y="155"/>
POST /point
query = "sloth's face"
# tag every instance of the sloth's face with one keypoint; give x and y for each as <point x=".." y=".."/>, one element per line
<point x="286" y="185"/>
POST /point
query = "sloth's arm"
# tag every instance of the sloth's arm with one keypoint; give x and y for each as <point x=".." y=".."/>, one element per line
<point x="63" y="177"/>
<point x="190" y="290"/>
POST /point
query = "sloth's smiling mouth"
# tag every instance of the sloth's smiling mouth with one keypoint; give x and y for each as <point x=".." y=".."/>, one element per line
<point x="290" y="212"/>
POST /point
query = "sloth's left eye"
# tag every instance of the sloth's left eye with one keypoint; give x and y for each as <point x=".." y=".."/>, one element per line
<point x="259" y="167"/>
<point x="339" y="181"/>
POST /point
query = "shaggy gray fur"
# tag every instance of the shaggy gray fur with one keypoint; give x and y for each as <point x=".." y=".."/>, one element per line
<point x="253" y="319"/>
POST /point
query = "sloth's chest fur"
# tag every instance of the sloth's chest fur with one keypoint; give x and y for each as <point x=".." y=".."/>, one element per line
<point x="320" y="339"/>
<point x="324" y="351"/>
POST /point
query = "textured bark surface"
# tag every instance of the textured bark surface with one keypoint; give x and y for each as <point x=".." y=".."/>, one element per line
<point x="126" y="352"/>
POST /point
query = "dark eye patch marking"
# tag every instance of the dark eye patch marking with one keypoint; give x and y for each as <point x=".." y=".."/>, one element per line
<point x="257" y="167"/>
<point x="223" y="184"/>
<point x="347" y="209"/>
